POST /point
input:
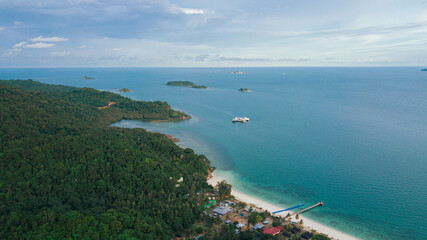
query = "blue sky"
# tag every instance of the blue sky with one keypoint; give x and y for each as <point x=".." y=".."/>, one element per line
<point x="198" y="33"/>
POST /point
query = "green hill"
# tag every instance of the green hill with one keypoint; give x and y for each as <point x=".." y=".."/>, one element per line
<point x="67" y="175"/>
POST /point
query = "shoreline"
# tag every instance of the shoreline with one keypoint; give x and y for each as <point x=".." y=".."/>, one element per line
<point x="308" y="223"/>
<point x="173" y="139"/>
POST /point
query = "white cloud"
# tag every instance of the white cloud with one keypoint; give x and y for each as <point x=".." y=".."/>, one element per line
<point x="49" y="39"/>
<point x="190" y="11"/>
<point x="166" y="6"/>
<point x="18" y="45"/>
<point x="47" y="3"/>
<point x="83" y="46"/>
<point x="9" y="54"/>
<point x="117" y="49"/>
<point x="39" y="45"/>
<point x="1" y="28"/>
<point x="14" y="50"/>
<point x="60" y="54"/>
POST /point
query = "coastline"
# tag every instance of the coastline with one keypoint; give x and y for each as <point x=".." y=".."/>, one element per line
<point x="308" y="223"/>
<point x="175" y="140"/>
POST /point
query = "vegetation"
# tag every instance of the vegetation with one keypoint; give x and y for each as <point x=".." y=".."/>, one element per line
<point x="224" y="190"/>
<point x="244" y="90"/>
<point x="124" y="90"/>
<point x="185" y="84"/>
<point x="124" y="108"/>
<point x="256" y="217"/>
<point x="88" y="78"/>
<point x="320" y="237"/>
<point x="65" y="174"/>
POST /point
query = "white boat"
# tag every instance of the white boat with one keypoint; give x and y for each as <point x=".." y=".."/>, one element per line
<point x="241" y="119"/>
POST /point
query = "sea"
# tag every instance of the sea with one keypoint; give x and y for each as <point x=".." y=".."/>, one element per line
<point x="354" y="138"/>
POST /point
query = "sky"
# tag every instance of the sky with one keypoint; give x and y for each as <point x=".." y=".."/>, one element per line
<point x="215" y="33"/>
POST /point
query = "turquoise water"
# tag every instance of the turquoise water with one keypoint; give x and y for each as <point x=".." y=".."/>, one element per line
<point x="355" y="138"/>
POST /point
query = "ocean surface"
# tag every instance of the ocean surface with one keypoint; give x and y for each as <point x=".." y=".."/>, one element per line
<point x="354" y="138"/>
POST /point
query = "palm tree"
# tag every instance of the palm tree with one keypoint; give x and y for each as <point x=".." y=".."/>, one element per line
<point x="224" y="189"/>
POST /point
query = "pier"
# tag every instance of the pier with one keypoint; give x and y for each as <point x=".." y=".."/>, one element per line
<point x="306" y="209"/>
<point x="287" y="209"/>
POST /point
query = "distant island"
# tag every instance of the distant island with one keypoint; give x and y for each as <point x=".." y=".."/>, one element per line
<point x="237" y="72"/>
<point x="244" y="90"/>
<point x="424" y="70"/>
<point x="88" y="78"/>
<point x="185" y="84"/>
<point x="124" y="90"/>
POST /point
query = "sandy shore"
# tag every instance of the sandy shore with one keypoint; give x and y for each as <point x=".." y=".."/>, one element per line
<point x="308" y="223"/>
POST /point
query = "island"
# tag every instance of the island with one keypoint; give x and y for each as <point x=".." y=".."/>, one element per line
<point x="424" y="70"/>
<point x="185" y="84"/>
<point x="124" y="90"/>
<point x="237" y="72"/>
<point x="67" y="173"/>
<point x="88" y="78"/>
<point x="244" y="90"/>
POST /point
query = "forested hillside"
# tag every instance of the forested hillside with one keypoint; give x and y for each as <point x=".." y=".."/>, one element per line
<point x="66" y="174"/>
<point x="123" y="107"/>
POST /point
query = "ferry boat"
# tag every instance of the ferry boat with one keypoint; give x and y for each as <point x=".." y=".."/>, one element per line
<point x="240" y="119"/>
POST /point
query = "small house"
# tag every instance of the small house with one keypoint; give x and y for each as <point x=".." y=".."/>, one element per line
<point x="273" y="230"/>
<point x="240" y="225"/>
<point x="257" y="226"/>
<point x="222" y="210"/>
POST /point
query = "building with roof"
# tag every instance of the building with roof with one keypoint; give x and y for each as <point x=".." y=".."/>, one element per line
<point x="240" y="225"/>
<point x="222" y="210"/>
<point x="258" y="226"/>
<point x="211" y="202"/>
<point x="273" y="230"/>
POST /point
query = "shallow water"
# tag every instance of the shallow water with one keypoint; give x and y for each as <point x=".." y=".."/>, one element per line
<point x="355" y="138"/>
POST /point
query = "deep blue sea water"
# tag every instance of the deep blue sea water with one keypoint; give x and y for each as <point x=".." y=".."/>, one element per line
<point x="355" y="138"/>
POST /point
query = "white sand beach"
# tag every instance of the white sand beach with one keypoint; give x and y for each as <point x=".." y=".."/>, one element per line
<point x="308" y="223"/>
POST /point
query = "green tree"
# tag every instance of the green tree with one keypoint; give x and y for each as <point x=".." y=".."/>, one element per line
<point x="254" y="218"/>
<point x="320" y="237"/>
<point x="66" y="174"/>
<point x="224" y="189"/>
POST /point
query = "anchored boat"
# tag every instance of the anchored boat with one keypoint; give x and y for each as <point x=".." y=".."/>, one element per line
<point x="240" y="119"/>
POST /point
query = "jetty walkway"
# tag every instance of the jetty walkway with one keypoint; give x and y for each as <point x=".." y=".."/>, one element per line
<point x="306" y="209"/>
